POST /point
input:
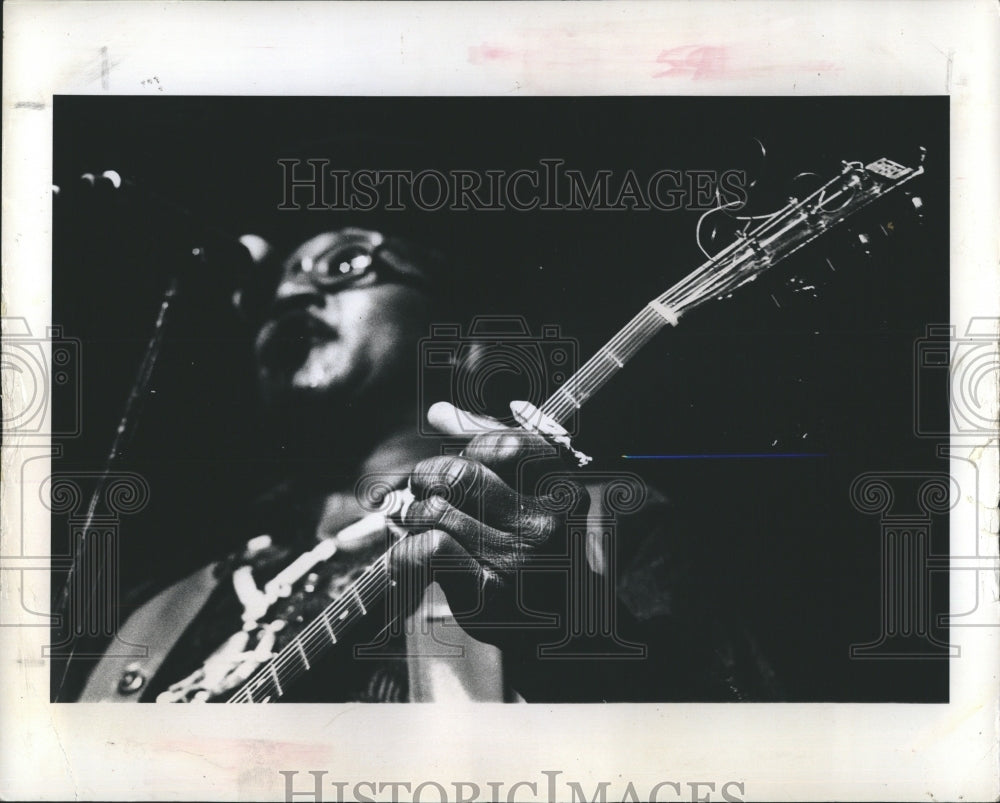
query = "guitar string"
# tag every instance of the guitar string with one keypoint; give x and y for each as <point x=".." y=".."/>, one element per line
<point x="365" y="583"/>
<point x="780" y="220"/>
<point x="376" y="576"/>
<point x="586" y="382"/>
<point x="281" y="660"/>
<point x="720" y="274"/>
<point x="770" y="222"/>
<point x="713" y="277"/>
<point x="289" y="669"/>
<point x="716" y="283"/>
<point x="583" y="384"/>
<point x="596" y="372"/>
<point x="775" y="220"/>
<point x="726" y="252"/>
<point x="314" y="638"/>
<point x="314" y="646"/>
<point x="315" y="634"/>
<point x="284" y="664"/>
<point x="369" y="580"/>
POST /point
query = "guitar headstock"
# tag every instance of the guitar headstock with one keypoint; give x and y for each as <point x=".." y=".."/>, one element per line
<point x="864" y="242"/>
<point x="758" y="242"/>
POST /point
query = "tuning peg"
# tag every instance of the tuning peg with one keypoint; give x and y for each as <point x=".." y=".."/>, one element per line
<point x="918" y="206"/>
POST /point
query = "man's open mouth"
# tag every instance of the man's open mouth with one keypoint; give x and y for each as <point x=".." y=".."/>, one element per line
<point x="285" y="342"/>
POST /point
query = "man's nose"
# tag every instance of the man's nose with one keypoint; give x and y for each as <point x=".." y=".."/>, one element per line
<point x="300" y="287"/>
<point x="296" y="292"/>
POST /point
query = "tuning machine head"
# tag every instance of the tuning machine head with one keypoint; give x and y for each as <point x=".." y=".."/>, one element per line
<point x="917" y="204"/>
<point x="864" y="243"/>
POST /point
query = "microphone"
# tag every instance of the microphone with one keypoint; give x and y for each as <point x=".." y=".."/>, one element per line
<point x="213" y="251"/>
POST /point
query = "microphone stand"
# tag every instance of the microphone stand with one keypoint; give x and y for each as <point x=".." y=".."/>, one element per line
<point x="217" y="241"/>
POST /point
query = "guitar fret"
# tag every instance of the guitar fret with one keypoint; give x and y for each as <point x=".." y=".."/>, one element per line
<point x="302" y="651"/>
<point x="277" y="683"/>
<point x="257" y="686"/>
<point x="361" y="603"/>
<point x="329" y="628"/>
<point x="603" y="364"/>
<point x="612" y="356"/>
<point x="570" y="396"/>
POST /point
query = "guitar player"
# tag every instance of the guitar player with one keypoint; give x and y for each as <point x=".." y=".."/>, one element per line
<point x="478" y="604"/>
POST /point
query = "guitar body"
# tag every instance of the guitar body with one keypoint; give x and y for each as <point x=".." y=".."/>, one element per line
<point x="433" y="659"/>
<point x="156" y="626"/>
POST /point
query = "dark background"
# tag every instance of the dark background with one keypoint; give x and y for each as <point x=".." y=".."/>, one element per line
<point x="832" y="376"/>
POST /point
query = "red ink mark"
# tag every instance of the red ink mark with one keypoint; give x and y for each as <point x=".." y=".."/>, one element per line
<point x="486" y="52"/>
<point x="694" y="61"/>
<point x="699" y="62"/>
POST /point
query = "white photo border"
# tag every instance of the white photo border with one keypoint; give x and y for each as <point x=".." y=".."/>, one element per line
<point x="777" y="752"/>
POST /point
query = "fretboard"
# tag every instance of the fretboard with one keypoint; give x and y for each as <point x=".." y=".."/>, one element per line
<point x="608" y="360"/>
<point x="271" y="679"/>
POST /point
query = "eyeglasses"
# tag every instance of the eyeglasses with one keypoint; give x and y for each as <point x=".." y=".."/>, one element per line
<point x="347" y="265"/>
<point x="353" y="259"/>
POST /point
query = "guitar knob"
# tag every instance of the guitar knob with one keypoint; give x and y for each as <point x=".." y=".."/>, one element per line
<point x="132" y="680"/>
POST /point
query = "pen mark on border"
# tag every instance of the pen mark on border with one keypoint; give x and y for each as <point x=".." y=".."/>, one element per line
<point x="105" y="68"/>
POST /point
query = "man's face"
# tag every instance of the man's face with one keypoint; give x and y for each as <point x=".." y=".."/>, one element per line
<point x="344" y="323"/>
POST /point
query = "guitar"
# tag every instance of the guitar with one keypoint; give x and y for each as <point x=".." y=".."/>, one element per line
<point x="761" y="242"/>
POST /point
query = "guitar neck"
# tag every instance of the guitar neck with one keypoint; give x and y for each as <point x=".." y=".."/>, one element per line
<point x="272" y="678"/>
<point x="606" y="362"/>
<point x="756" y="250"/>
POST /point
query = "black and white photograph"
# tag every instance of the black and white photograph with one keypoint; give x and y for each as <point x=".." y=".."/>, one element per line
<point x="415" y="304"/>
<point x="659" y="416"/>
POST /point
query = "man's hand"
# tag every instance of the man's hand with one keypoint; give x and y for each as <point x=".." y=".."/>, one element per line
<point x="482" y="521"/>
